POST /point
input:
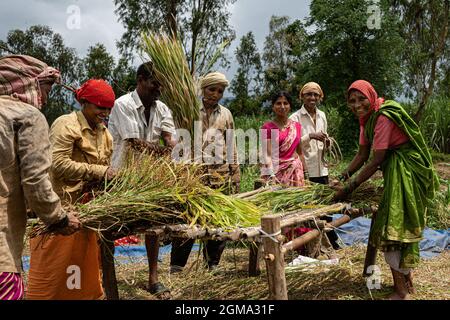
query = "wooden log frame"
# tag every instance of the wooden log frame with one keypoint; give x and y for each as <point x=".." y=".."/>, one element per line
<point x="252" y="234"/>
<point x="274" y="257"/>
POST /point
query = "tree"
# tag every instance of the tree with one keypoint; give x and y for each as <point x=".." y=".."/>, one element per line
<point x="124" y="77"/>
<point x="342" y="47"/>
<point x="277" y="74"/>
<point x="42" y="43"/>
<point x="246" y="85"/>
<point x="202" y="25"/>
<point x="98" y="63"/>
<point x="425" y="26"/>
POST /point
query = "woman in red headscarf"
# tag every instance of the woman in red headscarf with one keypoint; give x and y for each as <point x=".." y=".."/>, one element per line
<point x="409" y="179"/>
<point x="64" y="268"/>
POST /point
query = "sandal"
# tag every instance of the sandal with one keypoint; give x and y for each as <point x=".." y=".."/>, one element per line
<point x="159" y="290"/>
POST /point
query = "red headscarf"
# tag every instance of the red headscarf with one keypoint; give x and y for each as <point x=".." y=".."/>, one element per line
<point x="368" y="90"/>
<point x="98" y="92"/>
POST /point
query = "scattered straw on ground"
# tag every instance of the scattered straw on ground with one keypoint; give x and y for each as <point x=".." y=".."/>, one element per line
<point x="231" y="282"/>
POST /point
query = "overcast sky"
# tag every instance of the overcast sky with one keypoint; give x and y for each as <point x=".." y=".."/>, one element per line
<point x="98" y="23"/>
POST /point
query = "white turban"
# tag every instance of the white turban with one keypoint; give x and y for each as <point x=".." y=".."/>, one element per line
<point x="312" y="86"/>
<point x="212" y="79"/>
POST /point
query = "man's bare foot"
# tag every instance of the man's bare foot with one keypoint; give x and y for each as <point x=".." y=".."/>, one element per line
<point x="401" y="291"/>
<point x="396" y="296"/>
<point x="409" y="284"/>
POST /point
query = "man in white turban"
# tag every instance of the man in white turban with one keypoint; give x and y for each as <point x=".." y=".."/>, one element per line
<point x="314" y="137"/>
<point x="216" y="119"/>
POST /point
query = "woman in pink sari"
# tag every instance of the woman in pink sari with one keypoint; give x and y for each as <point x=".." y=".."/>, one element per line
<point x="284" y="160"/>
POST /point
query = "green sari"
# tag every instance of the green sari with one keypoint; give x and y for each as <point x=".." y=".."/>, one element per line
<point x="410" y="183"/>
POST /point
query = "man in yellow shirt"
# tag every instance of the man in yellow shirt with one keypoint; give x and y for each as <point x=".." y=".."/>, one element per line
<point x="81" y="151"/>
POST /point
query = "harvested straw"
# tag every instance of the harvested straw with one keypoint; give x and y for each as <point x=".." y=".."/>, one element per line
<point x="172" y="71"/>
<point x="313" y="195"/>
<point x="151" y="191"/>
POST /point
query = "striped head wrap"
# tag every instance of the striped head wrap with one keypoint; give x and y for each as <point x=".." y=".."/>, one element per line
<point x="20" y="76"/>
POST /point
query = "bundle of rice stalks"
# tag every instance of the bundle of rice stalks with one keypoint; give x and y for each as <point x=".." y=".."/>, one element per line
<point x="310" y="196"/>
<point x="172" y="71"/>
<point x="151" y="191"/>
<point x="292" y="198"/>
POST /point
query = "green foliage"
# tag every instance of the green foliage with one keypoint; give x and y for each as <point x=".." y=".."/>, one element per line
<point x="250" y="106"/>
<point x="278" y="63"/>
<point x="437" y="215"/>
<point x="435" y="123"/>
<point x="247" y="80"/>
<point x="124" y="77"/>
<point x="98" y="63"/>
<point x="341" y="49"/>
<point x="254" y="122"/>
<point x="201" y="25"/>
<point x="249" y="174"/>
<point x="440" y="157"/>
<point x="42" y="43"/>
<point x="425" y="27"/>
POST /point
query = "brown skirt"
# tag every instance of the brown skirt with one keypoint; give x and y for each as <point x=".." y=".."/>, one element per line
<point x="65" y="267"/>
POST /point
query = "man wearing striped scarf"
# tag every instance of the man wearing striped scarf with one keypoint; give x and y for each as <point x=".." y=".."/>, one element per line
<point x="25" y="83"/>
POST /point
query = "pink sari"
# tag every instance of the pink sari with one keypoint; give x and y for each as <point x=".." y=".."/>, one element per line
<point x="290" y="168"/>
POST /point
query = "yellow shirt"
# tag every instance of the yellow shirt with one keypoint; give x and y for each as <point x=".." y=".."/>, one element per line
<point x="79" y="154"/>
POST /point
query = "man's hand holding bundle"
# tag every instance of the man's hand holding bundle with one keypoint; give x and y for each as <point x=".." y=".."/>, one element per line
<point x="67" y="225"/>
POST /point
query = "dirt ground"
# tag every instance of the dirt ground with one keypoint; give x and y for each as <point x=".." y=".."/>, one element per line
<point x="231" y="282"/>
<point x="340" y="282"/>
<point x="443" y="170"/>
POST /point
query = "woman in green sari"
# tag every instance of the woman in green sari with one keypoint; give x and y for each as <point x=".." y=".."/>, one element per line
<point x="409" y="180"/>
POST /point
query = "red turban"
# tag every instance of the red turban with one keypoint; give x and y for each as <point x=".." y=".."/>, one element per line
<point x="98" y="92"/>
<point x="367" y="90"/>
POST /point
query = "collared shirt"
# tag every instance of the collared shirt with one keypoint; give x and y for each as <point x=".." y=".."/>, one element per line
<point x="24" y="164"/>
<point x="312" y="149"/>
<point x="217" y="123"/>
<point x="79" y="154"/>
<point x="128" y="121"/>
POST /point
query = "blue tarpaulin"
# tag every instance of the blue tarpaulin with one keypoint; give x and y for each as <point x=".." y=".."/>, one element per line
<point x="357" y="231"/>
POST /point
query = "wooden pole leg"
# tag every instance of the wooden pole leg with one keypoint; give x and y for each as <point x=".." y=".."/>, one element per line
<point x="274" y="257"/>
<point x="108" y="269"/>
<point x="371" y="254"/>
<point x="254" y="257"/>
